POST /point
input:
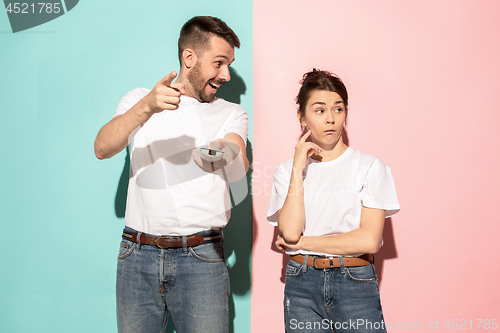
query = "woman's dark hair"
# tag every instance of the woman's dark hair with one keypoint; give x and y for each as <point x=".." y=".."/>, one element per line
<point x="196" y="33"/>
<point x="319" y="80"/>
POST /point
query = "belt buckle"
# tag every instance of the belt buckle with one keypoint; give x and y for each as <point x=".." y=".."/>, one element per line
<point x="331" y="261"/>
<point x="314" y="262"/>
<point x="316" y="265"/>
<point x="158" y="242"/>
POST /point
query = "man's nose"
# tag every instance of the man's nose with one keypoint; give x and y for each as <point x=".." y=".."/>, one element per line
<point x="224" y="74"/>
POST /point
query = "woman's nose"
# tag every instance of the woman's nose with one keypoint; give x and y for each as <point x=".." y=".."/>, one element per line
<point x="330" y="119"/>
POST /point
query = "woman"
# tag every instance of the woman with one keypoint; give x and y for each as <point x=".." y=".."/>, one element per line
<point x="329" y="203"/>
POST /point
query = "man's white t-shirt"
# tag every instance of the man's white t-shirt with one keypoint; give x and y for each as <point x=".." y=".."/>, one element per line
<point x="335" y="191"/>
<point x="168" y="193"/>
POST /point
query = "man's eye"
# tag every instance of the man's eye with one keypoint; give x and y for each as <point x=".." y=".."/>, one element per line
<point x="218" y="63"/>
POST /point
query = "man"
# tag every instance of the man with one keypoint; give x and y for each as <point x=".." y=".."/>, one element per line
<point x="171" y="257"/>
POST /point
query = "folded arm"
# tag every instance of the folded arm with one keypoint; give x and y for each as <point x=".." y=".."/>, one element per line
<point x="365" y="239"/>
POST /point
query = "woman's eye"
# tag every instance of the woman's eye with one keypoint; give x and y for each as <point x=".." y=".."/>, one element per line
<point x="319" y="110"/>
<point x="339" y="110"/>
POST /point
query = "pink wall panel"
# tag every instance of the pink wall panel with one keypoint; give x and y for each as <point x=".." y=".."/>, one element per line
<point x="423" y="78"/>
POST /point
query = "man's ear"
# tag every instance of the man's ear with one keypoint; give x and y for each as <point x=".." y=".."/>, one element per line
<point x="189" y="57"/>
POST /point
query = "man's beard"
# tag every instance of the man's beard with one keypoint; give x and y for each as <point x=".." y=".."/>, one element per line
<point x="196" y="80"/>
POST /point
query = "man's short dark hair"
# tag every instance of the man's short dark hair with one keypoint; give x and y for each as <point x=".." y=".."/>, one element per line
<point x="196" y="33"/>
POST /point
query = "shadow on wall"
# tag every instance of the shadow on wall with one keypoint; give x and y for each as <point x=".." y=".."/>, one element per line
<point x="121" y="191"/>
<point x="238" y="242"/>
<point x="238" y="232"/>
<point x="233" y="90"/>
<point x="387" y="251"/>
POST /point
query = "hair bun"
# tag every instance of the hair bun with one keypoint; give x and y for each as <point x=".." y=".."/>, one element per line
<point x="318" y="79"/>
<point x="310" y="75"/>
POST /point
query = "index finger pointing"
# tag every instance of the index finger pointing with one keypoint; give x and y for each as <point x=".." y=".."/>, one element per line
<point x="167" y="80"/>
<point x="305" y="136"/>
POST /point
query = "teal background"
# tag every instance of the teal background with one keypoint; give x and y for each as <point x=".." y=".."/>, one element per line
<point x="60" y="208"/>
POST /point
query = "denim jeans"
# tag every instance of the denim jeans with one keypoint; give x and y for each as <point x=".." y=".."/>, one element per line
<point x="344" y="299"/>
<point x="191" y="284"/>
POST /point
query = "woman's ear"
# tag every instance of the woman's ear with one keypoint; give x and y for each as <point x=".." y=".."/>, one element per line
<point x="301" y="120"/>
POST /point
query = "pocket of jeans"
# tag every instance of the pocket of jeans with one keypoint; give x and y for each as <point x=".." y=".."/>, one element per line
<point x="208" y="252"/>
<point x="293" y="268"/>
<point x="362" y="273"/>
<point x="126" y="249"/>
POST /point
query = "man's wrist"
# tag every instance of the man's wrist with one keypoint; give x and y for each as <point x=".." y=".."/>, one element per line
<point x="143" y="112"/>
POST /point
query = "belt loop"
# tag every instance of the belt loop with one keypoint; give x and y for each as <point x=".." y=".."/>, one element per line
<point x="342" y="267"/>
<point x="184" y="244"/>
<point x="304" y="264"/>
<point x="138" y="246"/>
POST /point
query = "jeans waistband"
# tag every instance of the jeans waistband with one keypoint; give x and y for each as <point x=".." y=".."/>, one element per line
<point x="204" y="233"/>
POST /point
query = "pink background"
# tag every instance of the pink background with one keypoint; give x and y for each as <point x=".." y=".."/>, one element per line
<point x="423" y="78"/>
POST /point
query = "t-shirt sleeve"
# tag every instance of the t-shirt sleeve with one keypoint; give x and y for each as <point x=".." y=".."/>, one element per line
<point x="127" y="102"/>
<point x="130" y="99"/>
<point x="239" y="124"/>
<point x="278" y="195"/>
<point x="379" y="191"/>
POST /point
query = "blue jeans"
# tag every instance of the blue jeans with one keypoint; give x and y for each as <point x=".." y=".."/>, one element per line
<point x="344" y="299"/>
<point x="191" y="284"/>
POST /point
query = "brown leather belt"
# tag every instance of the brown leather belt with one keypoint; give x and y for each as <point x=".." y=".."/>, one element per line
<point x="164" y="242"/>
<point x="330" y="262"/>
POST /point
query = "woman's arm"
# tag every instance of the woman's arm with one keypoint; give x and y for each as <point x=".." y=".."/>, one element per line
<point x="365" y="239"/>
<point x="291" y="217"/>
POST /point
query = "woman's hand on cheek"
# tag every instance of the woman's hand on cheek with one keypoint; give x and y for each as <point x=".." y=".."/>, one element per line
<point x="303" y="150"/>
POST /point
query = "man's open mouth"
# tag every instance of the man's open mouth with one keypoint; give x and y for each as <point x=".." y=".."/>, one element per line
<point x="213" y="85"/>
<point x="216" y="85"/>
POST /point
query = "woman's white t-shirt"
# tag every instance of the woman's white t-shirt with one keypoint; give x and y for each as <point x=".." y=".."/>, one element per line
<point x="335" y="192"/>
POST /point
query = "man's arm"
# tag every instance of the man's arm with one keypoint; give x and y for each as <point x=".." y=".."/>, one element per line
<point x="114" y="136"/>
<point x="234" y="162"/>
<point x="233" y="138"/>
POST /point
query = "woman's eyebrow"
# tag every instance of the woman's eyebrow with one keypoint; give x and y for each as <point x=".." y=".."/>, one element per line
<point x="323" y="103"/>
